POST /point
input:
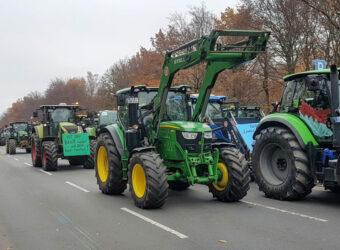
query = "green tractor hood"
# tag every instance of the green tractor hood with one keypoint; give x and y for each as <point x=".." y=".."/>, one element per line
<point x="186" y="126"/>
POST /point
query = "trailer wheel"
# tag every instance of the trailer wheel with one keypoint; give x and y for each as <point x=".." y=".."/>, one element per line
<point x="49" y="156"/>
<point x="234" y="180"/>
<point x="148" y="180"/>
<point x="108" y="167"/>
<point x="280" y="165"/>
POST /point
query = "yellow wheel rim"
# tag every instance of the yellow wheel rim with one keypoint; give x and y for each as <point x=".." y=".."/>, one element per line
<point x="223" y="182"/>
<point x="102" y="164"/>
<point x="138" y="180"/>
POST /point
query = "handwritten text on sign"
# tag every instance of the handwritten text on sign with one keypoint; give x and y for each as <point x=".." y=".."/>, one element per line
<point x="76" y="144"/>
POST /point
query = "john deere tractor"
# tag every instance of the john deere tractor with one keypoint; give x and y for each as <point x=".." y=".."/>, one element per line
<point x="158" y="143"/>
<point x="298" y="144"/>
<point x="18" y="135"/>
<point x="58" y="136"/>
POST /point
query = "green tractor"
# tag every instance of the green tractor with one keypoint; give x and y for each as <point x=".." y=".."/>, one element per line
<point x="18" y="135"/>
<point x="159" y="143"/>
<point x="102" y="119"/>
<point x="59" y="136"/>
<point x="298" y="144"/>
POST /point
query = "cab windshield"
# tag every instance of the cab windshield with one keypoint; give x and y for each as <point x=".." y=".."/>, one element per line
<point x="176" y="107"/>
<point x="214" y="111"/>
<point x="62" y="115"/>
<point x="20" y="126"/>
<point x="107" y="117"/>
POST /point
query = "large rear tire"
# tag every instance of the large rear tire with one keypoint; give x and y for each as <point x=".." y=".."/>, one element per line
<point x="12" y="145"/>
<point x="280" y="165"/>
<point x="148" y="180"/>
<point x="49" y="156"/>
<point x="234" y="180"/>
<point x="36" y="151"/>
<point x="89" y="160"/>
<point x="108" y="166"/>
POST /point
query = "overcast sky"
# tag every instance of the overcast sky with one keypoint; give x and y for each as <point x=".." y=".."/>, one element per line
<point x="44" y="39"/>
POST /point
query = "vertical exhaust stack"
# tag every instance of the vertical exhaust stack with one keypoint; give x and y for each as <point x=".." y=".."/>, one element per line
<point x="334" y="78"/>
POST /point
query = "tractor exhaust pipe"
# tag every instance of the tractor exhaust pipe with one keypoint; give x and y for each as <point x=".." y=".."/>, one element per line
<point x="334" y="78"/>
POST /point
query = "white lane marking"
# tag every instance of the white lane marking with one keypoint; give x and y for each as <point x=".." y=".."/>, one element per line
<point x="43" y="171"/>
<point x="285" y="211"/>
<point x="16" y="159"/>
<point x="28" y="164"/>
<point x="155" y="223"/>
<point x="76" y="186"/>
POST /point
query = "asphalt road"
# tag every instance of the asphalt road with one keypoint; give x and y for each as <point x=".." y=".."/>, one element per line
<point x="66" y="210"/>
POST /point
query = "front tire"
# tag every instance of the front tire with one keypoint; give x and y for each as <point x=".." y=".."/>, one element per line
<point x="108" y="166"/>
<point x="12" y="146"/>
<point x="148" y="180"/>
<point x="36" y="151"/>
<point x="49" y="156"/>
<point x="280" y="165"/>
<point x="233" y="184"/>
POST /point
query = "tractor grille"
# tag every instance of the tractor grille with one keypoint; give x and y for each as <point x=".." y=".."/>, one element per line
<point x="193" y="146"/>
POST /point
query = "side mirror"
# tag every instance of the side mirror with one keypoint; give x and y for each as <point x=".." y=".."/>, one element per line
<point x="35" y="114"/>
<point x="120" y="100"/>
<point x="313" y="83"/>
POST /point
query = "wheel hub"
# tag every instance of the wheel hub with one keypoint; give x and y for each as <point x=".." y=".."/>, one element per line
<point x="281" y="164"/>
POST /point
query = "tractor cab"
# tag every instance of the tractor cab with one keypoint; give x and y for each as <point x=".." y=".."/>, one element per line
<point x="134" y="112"/>
<point x="57" y="119"/>
<point x="301" y="136"/>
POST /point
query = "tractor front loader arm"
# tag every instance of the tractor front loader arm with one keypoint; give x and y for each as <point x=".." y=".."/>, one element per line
<point x="218" y="52"/>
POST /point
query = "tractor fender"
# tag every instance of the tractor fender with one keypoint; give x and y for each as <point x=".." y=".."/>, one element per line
<point x="112" y="130"/>
<point x="295" y="125"/>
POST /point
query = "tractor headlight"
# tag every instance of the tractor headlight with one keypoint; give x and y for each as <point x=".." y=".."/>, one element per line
<point x="208" y="135"/>
<point x="15" y="134"/>
<point x="189" y="135"/>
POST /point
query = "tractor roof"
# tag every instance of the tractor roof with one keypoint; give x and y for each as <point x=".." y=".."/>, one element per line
<point x="60" y="106"/>
<point x="140" y="88"/>
<point x="311" y="72"/>
<point x="17" y="123"/>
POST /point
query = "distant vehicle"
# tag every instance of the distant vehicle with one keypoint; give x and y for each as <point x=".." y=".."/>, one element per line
<point x="17" y="135"/>
<point x="101" y="120"/>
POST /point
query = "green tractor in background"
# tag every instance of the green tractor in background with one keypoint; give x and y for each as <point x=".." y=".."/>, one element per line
<point x="101" y="120"/>
<point x="59" y="136"/>
<point x="158" y="143"/>
<point x="298" y="144"/>
<point x="18" y="135"/>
